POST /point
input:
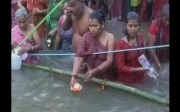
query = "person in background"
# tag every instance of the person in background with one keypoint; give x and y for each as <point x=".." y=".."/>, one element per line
<point x="117" y="9"/>
<point x="135" y="4"/>
<point x="157" y="7"/>
<point x="109" y="5"/>
<point x="63" y="41"/>
<point x="93" y="4"/>
<point x="159" y="35"/>
<point x="130" y="70"/>
<point x="37" y="10"/>
<point x="14" y="7"/>
<point x="52" y="22"/>
<point x="20" y="32"/>
<point x="77" y="18"/>
<point x="95" y="40"/>
<point x="143" y="10"/>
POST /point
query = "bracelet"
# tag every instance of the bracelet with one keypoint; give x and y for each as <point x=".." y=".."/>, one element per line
<point x="32" y="48"/>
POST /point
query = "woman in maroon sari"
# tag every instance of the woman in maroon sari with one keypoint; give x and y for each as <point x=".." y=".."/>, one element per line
<point x="159" y="35"/>
<point x="129" y="69"/>
<point x="95" y="40"/>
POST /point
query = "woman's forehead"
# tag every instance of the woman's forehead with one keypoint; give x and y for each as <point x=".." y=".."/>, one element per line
<point x="133" y="21"/>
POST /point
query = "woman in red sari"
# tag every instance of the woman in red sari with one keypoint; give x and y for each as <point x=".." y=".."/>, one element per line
<point x="95" y="40"/>
<point x="129" y="69"/>
<point x="157" y="7"/>
<point x="37" y="10"/>
<point x="159" y="35"/>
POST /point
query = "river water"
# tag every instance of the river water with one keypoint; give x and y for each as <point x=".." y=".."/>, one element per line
<point x="34" y="90"/>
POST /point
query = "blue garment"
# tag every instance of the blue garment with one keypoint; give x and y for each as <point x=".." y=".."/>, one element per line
<point x="66" y="41"/>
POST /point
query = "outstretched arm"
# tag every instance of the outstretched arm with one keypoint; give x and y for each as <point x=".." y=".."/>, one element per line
<point x="76" y="67"/>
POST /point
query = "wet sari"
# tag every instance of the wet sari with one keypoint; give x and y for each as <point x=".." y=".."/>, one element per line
<point x="126" y="60"/>
<point x="18" y="36"/>
<point x="161" y="30"/>
<point x="88" y="45"/>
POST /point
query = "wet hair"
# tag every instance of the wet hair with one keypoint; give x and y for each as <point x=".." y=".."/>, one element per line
<point x="165" y="10"/>
<point x="99" y="15"/>
<point x="21" y="12"/>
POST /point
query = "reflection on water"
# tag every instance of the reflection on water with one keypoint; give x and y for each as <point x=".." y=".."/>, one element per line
<point x="38" y="91"/>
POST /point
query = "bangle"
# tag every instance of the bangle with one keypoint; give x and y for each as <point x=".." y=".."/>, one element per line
<point x="32" y="48"/>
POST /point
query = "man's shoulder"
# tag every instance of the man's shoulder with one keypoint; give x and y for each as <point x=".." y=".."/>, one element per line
<point x="89" y="10"/>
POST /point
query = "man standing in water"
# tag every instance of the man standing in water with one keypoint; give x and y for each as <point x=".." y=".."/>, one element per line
<point x="77" y="18"/>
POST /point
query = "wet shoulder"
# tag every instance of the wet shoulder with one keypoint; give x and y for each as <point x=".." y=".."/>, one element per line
<point x="109" y="35"/>
<point x="89" y="10"/>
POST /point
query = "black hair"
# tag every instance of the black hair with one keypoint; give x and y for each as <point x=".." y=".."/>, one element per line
<point x="99" y="15"/>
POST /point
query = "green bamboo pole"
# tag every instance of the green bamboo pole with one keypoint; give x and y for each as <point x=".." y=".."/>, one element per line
<point x="119" y="86"/>
<point x="37" y="26"/>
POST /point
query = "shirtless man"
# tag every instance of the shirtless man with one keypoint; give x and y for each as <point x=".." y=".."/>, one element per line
<point x="77" y="18"/>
